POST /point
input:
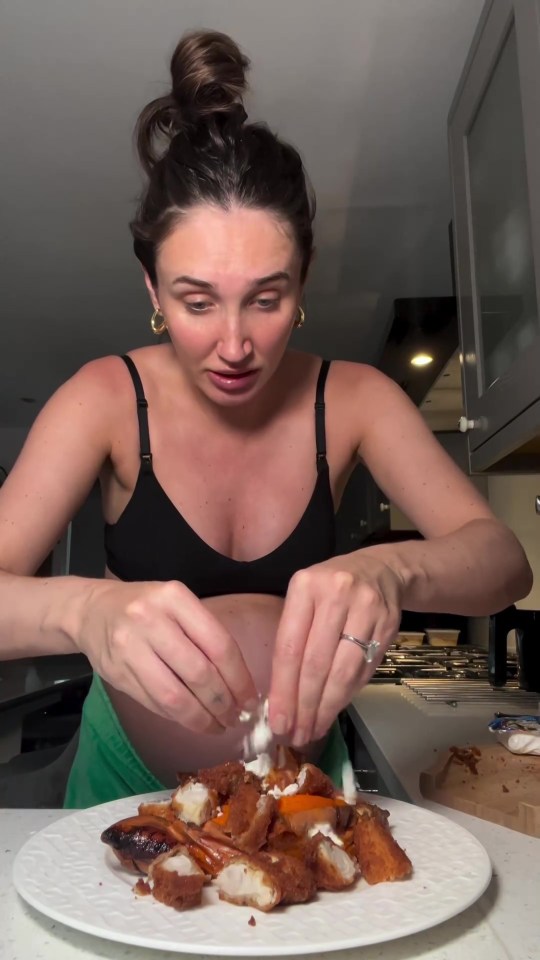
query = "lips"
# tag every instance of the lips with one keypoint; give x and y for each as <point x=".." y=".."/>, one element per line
<point x="231" y="381"/>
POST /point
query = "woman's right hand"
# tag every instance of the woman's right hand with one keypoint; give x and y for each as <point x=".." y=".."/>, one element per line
<point x="159" y="644"/>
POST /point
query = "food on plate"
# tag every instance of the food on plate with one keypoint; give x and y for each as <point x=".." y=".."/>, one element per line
<point x="157" y="808"/>
<point x="225" y="778"/>
<point x="333" y="867"/>
<point x="378" y="854"/>
<point x="194" y="802"/>
<point x="312" y="780"/>
<point x="264" y="838"/>
<point x="137" y="841"/>
<point x="250" y="816"/>
<point x="295" y="878"/>
<point x="249" y="881"/>
<point x="176" y="880"/>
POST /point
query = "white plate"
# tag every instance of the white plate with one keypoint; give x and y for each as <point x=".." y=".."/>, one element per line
<point x="68" y="874"/>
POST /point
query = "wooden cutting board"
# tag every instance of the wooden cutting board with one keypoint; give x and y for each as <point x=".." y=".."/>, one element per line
<point x="505" y="788"/>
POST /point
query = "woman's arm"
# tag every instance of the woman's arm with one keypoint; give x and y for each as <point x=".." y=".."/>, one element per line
<point x="52" y="477"/>
<point x="156" y="642"/>
<point x="470" y="563"/>
<point x="474" y="571"/>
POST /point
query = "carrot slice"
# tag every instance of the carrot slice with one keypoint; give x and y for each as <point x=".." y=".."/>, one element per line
<point x="222" y="818"/>
<point x="291" y="804"/>
<point x="304" y="801"/>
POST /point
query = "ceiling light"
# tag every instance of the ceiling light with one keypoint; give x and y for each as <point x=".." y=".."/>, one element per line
<point x="421" y="359"/>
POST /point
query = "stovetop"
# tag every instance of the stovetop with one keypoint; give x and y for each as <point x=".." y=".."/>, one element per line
<point x="443" y="663"/>
<point x="453" y="676"/>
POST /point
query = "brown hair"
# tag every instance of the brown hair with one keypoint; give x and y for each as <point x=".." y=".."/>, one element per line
<point x="195" y="146"/>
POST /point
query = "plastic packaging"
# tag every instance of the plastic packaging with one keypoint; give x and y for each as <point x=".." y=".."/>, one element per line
<point x="518" y="734"/>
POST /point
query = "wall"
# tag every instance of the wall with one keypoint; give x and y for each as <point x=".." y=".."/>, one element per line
<point x="11" y="442"/>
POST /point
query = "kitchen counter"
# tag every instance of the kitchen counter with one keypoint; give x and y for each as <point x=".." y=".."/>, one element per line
<point x="403" y="735"/>
<point x="502" y="925"/>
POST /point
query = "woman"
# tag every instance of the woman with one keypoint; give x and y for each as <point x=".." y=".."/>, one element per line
<point x="221" y="455"/>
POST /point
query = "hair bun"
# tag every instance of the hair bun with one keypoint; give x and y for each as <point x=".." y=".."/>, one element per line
<point x="208" y="73"/>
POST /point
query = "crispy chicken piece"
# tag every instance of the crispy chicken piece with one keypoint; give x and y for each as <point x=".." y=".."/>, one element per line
<point x="307" y="808"/>
<point x="334" y="869"/>
<point x="250" y="881"/>
<point x="312" y="780"/>
<point x="226" y="778"/>
<point x="242" y="807"/>
<point x="379" y="856"/>
<point x="194" y="802"/>
<point x="211" y="854"/>
<point x="345" y="816"/>
<point x="137" y="841"/>
<point x="142" y="888"/>
<point x="280" y="779"/>
<point x="365" y="809"/>
<point x="250" y="816"/>
<point x="347" y="838"/>
<point x="217" y="831"/>
<point x="176" y="879"/>
<point x="296" y="879"/>
<point x="157" y="808"/>
<point x="285" y="770"/>
<point x="301" y="821"/>
<point x="288" y="843"/>
<point x="288" y="757"/>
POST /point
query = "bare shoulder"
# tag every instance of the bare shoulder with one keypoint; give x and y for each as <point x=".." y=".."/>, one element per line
<point x="360" y="386"/>
<point x="373" y="393"/>
<point x="97" y="377"/>
<point x="91" y="406"/>
<point x="343" y="373"/>
<point x="107" y="379"/>
<point x="60" y="461"/>
<point x="92" y="393"/>
<point x="362" y="377"/>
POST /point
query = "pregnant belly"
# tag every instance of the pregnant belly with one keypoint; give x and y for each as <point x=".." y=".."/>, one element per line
<point x="166" y="747"/>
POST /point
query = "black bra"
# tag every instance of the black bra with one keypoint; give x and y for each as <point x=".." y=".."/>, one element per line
<point x="152" y="541"/>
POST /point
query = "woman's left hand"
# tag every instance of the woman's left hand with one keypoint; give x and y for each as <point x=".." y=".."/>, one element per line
<point x="315" y="671"/>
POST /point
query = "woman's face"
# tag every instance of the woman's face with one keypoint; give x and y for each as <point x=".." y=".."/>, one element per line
<point x="228" y="285"/>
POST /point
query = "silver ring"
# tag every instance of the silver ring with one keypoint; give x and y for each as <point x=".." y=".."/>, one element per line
<point x="369" y="647"/>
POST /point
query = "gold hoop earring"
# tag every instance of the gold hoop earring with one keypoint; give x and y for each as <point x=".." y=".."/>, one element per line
<point x="158" y="328"/>
<point x="300" y="320"/>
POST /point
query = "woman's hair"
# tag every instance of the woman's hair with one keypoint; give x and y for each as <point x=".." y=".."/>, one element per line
<point x="196" y="147"/>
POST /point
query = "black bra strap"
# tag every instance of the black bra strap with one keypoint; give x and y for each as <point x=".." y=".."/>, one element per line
<point x="320" y="428"/>
<point x="142" y="415"/>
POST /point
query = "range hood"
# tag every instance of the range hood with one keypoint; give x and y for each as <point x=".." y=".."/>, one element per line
<point x="420" y="324"/>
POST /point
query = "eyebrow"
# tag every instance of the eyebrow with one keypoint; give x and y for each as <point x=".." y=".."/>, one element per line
<point x="205" y="285"/>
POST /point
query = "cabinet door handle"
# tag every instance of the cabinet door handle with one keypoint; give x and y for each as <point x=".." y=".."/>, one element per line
<point x="537" y="503"/>
<point x="383" y="507"/>
<point x="465" y="424"/>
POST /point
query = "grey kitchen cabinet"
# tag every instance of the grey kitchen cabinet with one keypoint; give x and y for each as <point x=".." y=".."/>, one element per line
<point x="494" y="144"/>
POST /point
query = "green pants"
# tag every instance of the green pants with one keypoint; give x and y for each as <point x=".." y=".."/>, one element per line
<point x="106" y="767"/>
